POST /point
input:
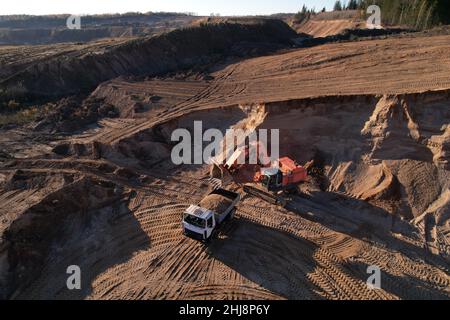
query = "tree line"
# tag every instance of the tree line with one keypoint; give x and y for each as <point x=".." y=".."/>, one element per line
<point x="418" y="14"/>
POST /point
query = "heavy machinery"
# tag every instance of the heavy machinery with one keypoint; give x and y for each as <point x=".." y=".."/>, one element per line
<point x="224" y="165"/>
<point x="284" y="177"/>
<point x="267" y="182"/>
<point x="202" y="221"/>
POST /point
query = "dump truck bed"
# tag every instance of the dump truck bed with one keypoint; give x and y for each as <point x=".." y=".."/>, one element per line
<point x="221" y="202"/>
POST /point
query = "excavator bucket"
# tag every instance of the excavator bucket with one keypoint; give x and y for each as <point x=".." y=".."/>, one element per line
<point x="219" y="176"/>
<point x="216" y="172"/>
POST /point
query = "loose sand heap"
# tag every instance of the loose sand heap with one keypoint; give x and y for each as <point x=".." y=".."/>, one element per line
<point x="216" y="203"/>
<point x="374" y="116"/>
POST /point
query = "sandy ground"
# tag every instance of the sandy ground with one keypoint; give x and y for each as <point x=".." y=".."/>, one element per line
<point x="326" y="24"/>
<point x="112" y="202"/>
<point x="325" y="28"/>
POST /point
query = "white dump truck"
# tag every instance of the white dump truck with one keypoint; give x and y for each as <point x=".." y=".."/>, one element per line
<point x="202" y="221"/>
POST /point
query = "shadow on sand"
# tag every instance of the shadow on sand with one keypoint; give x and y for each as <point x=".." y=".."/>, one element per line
<point x="276" y="261"/>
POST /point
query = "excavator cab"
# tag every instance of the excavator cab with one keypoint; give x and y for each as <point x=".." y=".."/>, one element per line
<point x="271" y="178"/>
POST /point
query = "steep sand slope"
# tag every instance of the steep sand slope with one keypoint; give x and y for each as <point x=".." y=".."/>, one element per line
<point x="325" y="28"/>
<point x="391" y="66"/>
<point x="71" y="70"/>
<point x="326" y="24"/>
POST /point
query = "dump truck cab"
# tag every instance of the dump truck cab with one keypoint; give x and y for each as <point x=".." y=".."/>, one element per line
<point x="198" y="223"/>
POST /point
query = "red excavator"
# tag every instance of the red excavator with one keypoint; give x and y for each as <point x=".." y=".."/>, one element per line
<point x="268" y="181"/>
<point x="284" y="177"/>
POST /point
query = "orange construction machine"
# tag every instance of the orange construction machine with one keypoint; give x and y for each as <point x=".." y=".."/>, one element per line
<point x="265" y="181"/>
<point x="284" y="177"/>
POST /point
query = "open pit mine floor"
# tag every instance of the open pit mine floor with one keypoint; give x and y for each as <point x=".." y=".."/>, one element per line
<point x="374" y="114"/>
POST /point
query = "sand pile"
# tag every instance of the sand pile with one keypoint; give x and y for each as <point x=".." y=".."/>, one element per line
<point x="215" y="202"/>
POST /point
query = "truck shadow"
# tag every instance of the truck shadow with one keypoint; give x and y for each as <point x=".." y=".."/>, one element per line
<point x="274" y="260"/>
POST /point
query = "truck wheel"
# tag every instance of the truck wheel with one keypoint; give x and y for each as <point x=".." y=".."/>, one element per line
<point x="212" y="236"/>
<point x="231" y="215"/>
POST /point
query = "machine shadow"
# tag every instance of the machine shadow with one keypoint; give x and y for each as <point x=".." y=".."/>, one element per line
<point x="406" y="287"/>
<point x="274" y="260"/>
<point x="362" y="220"/>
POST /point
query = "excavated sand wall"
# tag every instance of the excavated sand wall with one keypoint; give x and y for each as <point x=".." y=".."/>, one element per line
<point x="149" y="56"/>
<point x="31" y="238"/>
<point x="388" y="148"/>
<point x="154" y="145"/>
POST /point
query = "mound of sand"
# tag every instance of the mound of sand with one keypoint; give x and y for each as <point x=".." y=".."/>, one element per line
<point x="215" y="202"/>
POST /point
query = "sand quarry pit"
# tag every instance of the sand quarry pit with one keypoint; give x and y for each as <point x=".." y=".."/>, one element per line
<point x="108" y="198"/>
